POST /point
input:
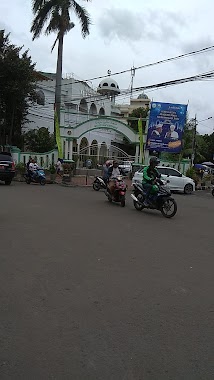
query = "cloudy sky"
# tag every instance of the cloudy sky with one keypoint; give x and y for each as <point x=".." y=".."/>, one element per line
<point x="126" y="33"/>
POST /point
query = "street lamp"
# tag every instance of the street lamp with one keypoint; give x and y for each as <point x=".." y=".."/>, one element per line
<point x="194" y="136"/>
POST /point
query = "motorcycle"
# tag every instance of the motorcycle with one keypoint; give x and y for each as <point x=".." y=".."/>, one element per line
<point x="119" y="194"/>
<point x="99" y="183"/>
<point x="161" y="201"/>
<point x="38" y="178"/>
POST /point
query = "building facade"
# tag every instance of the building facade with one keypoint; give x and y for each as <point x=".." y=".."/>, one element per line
<point x="80" y="103"/>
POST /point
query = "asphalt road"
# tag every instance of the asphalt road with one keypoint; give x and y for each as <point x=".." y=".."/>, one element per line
<point x="89" y="290"/>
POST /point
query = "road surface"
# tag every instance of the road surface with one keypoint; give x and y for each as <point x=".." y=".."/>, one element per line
<point x="91" y="291"/>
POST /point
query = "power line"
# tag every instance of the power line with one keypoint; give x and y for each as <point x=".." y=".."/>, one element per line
<point x="201" y="76"/>
<point x="181" y="56"/>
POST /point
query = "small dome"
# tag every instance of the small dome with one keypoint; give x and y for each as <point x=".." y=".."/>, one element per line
<point x="143" y="96"/>
<point x="108" y="86"/>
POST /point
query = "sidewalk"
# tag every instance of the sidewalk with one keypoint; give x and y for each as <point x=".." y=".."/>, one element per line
<point x="84" y="181"/>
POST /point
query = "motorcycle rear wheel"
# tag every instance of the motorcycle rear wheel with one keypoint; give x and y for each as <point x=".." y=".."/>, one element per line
<point x="28" y="181"/>
<point x="122" y="201"/>
<point x="42" y="181"/>
<point x="96" y="186"/>
<point x="169" y="208"/>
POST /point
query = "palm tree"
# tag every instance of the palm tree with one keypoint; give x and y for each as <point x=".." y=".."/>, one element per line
<point x="57" y="14"/>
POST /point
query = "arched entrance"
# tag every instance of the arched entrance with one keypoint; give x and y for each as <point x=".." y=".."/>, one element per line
<point x="94" y="148"/>
<point x="106" y="124"/>
<point x="84" y="151"/>
<point x="103" y="154"/>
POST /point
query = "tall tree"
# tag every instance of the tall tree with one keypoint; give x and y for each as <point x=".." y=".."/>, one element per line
<point x="17" y="85"/>
<point x="39" y="140"/>
<point x="56" y="13"/>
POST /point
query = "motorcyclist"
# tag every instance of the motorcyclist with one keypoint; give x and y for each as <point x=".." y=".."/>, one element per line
<point x="150" y="177"/>
<point x="105" y="171"/>
<point x="113" y="172"/>
<point x="33" y="167"/>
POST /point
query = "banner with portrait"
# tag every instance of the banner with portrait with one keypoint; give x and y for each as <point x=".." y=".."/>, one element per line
<point x="166" y="126"/>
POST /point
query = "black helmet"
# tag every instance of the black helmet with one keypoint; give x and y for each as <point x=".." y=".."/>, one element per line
<point x="154" y="160"/>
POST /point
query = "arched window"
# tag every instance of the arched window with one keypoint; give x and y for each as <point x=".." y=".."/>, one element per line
<point x="83" y="106"/>
<point x="40" y="98"/>
<point x="93" y="109"/>
<point x="101" y="111"/>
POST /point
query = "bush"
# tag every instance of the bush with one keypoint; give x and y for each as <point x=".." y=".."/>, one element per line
<point x="52" y="169"/>
<point x="191" y="173"/>
<point x="20" y="168"/>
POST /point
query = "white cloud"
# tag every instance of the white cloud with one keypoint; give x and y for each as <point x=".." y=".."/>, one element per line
<point x="129" y="25"/>
<point x="136" y="32"/>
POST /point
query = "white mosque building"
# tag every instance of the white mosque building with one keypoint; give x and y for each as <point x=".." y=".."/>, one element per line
<point x="100" y="122"/>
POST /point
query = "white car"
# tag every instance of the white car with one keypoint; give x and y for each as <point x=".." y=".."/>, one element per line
<point x="176" y="180"/>
<point x="126" y="166"/>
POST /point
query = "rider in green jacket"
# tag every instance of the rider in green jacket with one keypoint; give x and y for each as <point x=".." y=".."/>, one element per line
<point x="150" y="176"/>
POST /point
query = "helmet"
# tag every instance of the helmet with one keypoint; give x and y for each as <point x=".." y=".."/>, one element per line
<point x="154" y="161"/>
<point x="108" y="163"/>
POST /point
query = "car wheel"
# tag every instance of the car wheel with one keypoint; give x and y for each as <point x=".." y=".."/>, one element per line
<point x="188" y="189"/>
<point x="7" y="183"/>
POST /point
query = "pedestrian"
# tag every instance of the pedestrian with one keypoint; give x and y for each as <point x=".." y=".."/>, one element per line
<point x="59" y="167"/>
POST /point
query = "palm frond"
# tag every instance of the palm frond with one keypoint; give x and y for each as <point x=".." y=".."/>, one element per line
<point x="41" y="18"/>
<point x="83" y="17"/>
<point x="37" y="4"/>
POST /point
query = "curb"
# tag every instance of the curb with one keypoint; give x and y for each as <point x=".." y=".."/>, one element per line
<point x="72" y="185"/>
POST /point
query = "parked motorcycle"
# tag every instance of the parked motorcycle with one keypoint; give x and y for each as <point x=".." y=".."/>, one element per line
<point x="99" y="184"/>
<point x="161" y="201"/>
<point x="38" y="178"/>
<point x="119" y="194"/>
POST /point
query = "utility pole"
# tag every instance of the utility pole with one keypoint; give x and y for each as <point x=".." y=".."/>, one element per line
<point x="194" y="141"/>
<point x="132" y="80"/>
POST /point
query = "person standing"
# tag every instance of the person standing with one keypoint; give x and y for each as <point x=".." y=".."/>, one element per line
<point x="59" y="167"/>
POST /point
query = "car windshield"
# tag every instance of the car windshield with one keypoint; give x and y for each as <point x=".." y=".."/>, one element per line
<point x="5" y="157"/>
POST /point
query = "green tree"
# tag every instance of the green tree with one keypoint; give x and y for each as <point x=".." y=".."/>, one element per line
<point x="209" y="146"/>
<point x="135" y="115"/>
<point x="39" y="140"/>
<point x="57" y="14"/>
<point x="17" y="90"/>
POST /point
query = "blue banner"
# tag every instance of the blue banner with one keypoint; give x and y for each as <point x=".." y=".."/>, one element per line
<point x="166" y="125"/>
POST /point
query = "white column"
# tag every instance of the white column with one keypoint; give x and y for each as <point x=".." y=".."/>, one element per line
<point x="66" y="150"/>
<point x="98" y="153"/>
<point x="78" y="154"/>
<point x="68" y="157"/>
<point x="146" y="156"/>
<point x="137" y="149"/>
<point x="71" y="150"/>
